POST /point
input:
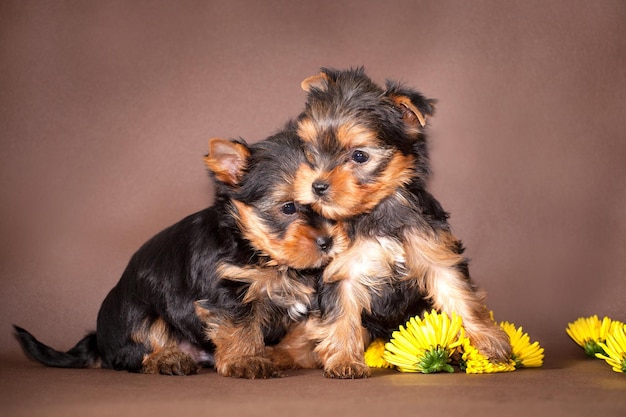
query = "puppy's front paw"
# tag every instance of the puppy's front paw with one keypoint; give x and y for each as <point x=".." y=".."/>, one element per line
<point x="348" y="370"/>
<point x="250" y="367"/>
<point x="494" y="343"/>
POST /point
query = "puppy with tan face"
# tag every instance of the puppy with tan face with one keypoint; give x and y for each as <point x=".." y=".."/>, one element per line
<point x="367" y="166"/>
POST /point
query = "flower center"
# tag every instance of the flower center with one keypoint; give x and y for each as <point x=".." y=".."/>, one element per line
<point x="435" y="360"/>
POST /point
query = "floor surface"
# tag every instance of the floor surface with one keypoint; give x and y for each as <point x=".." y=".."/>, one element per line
<point x="571" y="387"/>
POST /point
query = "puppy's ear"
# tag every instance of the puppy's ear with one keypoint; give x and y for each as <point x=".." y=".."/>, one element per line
<point x="227" y="160"/>
<point x="319" y="82"/>
<point x="414" y="109"/>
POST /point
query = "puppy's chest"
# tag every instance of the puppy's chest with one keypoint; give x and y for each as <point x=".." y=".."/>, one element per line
<point x="371" y="261"/>
<point x="283" y="291"/>
<point x="273" y="289"/>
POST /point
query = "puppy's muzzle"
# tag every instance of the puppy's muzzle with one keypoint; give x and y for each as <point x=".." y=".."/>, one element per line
<point x="325" y="243"/>
<point x="320" y="187"/>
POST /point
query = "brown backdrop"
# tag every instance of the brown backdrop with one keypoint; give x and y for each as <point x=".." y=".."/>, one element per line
<point x="106" y="108"/>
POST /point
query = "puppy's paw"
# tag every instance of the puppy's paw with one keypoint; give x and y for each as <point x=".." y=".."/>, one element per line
<point x="494" y="343"/>
<point x="292" y="358"/>
<point x="170" y="362"/>
<point x="280" y="358"/>
<point x="250" y="367"/>
<point x="347" y="370"/>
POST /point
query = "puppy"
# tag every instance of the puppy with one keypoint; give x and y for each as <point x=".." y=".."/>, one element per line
<point x="367" y="165"/>
<point x="217" y="286"/>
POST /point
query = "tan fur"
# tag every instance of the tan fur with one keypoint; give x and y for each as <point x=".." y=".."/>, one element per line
<point x="411" y="112"/>
<point x="353" y="135"/>
<point x="347" y="196"/>
<point x="342" y="345"/>
<point x="314" y="344"/>
<point x="296" y="349"/>
<point x="165" y="357"/>
<point x="297" y="247"/>
<point x="339" y="339"/>
<point x="432" y="262"/>
<point x="239" y="347"/>
<point x="319" y="81"/>
<point x="308" y="130"/>
<point x="226" y="159"/>
<point x="275" y="286"/>
<point x="172" y="361"/>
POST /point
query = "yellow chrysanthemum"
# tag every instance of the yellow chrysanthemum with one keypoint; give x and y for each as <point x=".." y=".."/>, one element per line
<point x="589" y="332"/>
<point x="523" y="353"/>
<point x="615" y="348"/>
<point x="473" y="362"/>
<point x="374" y="355"/>
<point x="425" y="345"/>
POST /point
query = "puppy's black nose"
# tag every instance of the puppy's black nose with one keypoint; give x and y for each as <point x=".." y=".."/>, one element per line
<point x="320" y="187"/>
<point x="324" y="243"/>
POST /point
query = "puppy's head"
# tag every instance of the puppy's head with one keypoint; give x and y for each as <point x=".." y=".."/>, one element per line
<point x="258" y="181"/>
<point x="361" y="142"/>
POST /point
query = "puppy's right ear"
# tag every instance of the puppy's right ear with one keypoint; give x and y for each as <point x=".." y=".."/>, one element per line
<point x="318" y="82"/>
<point x="227" y="159"/>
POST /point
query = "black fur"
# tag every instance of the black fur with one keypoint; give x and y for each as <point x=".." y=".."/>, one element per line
<point x="83" y="355"/>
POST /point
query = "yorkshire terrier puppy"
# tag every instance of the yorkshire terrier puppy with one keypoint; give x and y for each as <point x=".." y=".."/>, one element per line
<point x="366" y="166"/>
<point x="217" y="286"/>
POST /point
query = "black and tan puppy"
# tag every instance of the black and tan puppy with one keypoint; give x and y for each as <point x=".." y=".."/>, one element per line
<point x="367" y="166"/>
<point x="217" y="286"/>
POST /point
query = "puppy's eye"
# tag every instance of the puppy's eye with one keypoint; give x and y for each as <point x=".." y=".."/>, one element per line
<point x="288" y="208"/>
<point x="360" y="157"/>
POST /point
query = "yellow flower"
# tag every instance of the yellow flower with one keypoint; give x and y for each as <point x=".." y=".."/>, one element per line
<point x="425" y="345"/>
<point x="589" y="332"/>
<point x="374" y="355"/>
<point x="523" y="353"/>
<point x="615" y="348"/>
<point x="474" y="362"/>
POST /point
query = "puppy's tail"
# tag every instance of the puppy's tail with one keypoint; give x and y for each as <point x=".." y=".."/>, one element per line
<point x="84" y="355"/>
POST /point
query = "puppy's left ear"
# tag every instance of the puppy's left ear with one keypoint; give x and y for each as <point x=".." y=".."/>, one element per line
<point x="416" y="109"/>
<point x="227" y="160"/>
<point x="319" y="82"/>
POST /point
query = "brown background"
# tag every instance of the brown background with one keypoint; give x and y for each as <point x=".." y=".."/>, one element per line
<point x="106" y="108"/>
